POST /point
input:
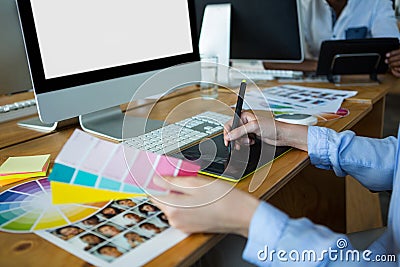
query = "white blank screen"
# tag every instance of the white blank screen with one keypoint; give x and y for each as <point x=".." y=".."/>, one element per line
<point x="77" y="36"/>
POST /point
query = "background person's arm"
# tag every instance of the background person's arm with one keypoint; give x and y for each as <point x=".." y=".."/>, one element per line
<point x="384" y="24"/>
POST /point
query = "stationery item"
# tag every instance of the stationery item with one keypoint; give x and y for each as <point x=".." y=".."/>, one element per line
<point x="18" y="168"/>
<point x="341" y="113"/>
<point x="128" y="232"/>
<point x="238" y="112"/>
<point x="27" y="207"/>
<point x="92" y="163"/>
<point x="293" y="118"/>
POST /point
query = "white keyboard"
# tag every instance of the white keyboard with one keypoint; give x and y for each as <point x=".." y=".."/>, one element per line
<point x="180" y="134"/>
<point x="17" y="110"/>
<point x="255" y="74"/>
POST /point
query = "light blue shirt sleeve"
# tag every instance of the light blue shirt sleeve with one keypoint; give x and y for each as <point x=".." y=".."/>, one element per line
<point x="276" y="240"/>
<point x="370" y="161"/>
<point x="273" y="238"/>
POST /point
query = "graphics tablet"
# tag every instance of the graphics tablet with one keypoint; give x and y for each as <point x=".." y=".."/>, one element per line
<point x="212" y="155"/>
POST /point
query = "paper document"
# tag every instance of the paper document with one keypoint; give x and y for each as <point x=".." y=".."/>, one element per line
<point x="296" y="99"/>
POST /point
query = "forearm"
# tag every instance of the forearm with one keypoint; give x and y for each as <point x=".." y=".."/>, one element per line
<point x="370" y="161"/>
<point x="292" y="135"/>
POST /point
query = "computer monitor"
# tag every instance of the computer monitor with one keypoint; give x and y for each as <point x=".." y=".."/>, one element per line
<point x="89" y="55"/>
<point x="14" y="70"/>
<point x="267" y="30"/>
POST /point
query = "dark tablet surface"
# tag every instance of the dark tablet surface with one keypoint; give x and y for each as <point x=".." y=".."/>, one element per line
<point x="357" y="56"/>
<point x="212" y="155"/>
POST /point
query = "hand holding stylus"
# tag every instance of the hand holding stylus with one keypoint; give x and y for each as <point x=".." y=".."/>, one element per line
<point x="267" y="130"/>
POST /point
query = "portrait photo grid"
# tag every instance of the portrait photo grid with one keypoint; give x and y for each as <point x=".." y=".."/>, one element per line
<point x="116" y="232"/>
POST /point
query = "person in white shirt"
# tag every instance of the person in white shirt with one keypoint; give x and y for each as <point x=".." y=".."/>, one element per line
<point x="349" y="19"/>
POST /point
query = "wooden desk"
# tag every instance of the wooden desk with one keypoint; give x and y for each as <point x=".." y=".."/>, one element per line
<point x="291" y="183"/>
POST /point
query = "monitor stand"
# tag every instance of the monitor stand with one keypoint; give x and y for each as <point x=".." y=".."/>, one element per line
<point x="106" y="123"/>
<point x="247" y="64"/>
<point x="36" y="124"/>
<point x="112" y="123"/>
<point x="354" y="80"/>
<point x="215" y="37"/>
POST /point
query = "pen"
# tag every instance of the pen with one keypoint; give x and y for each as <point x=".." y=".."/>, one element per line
<point x="238" y="112"/>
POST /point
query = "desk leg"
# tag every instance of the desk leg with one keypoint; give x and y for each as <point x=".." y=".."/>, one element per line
<point x="316" y="194"/>
<point x="340" y="203"/>
<point x="363" y="209"/>
<point x="372" y="124"/>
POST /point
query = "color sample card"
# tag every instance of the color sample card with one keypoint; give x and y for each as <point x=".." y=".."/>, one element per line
<point x="18" y="168"/>
<point x="63" y="193"/>
<point x="126" y="232"/>
<point x="27" y="207"/>
<point x="90" y="162"/>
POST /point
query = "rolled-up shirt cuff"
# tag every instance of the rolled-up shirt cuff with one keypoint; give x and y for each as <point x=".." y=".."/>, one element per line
<point x="318" y="146"/>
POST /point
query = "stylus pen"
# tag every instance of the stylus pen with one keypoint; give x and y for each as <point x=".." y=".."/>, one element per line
<point x="238" y="112"/>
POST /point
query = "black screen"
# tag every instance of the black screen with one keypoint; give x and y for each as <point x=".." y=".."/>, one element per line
<point x="261" y="29"/>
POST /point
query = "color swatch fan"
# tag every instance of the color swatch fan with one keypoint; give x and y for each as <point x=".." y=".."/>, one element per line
<point x="27" y="207"/>
<point x="89" y="169"/>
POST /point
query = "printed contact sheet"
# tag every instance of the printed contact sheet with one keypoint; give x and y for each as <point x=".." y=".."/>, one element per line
<point x="128" y="231"/>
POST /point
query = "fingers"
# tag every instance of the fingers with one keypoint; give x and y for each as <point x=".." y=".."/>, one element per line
<point x="393" y="53"/>
<point x="250" y="127"/>
<point x="227" y="129"/>
<point x="393" y="58"/>
<point x="182" y="185"/>
<point x="245" y="118"/>
<point x="396" y="72"/>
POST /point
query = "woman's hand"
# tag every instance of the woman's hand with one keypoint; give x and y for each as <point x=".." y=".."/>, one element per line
<point x="268" y="130"/>
<point x="198" y="204"/>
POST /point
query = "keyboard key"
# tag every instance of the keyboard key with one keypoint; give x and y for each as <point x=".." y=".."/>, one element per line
<point x="180" y="134"/>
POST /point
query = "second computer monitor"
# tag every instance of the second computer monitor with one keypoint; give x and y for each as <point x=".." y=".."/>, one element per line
<point x="14" y="70"/>
<point x="268" y="30"/>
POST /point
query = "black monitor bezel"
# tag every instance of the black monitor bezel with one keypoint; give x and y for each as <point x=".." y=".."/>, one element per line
<point x="43" y="85"/>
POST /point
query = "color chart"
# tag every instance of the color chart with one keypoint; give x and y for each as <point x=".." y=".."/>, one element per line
<point x="27" y="207"/>
<point x="88" y="161"/>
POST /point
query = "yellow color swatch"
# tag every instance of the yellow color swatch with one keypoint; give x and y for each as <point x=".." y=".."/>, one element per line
<point x="50" y="219"/>
<point x="63" y="193"/>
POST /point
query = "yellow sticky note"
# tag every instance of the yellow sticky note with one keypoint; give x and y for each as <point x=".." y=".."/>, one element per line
<point x="63" y="193"/>
<point x="24" y="164"/>
<point x="10" y="181"/>
<point x="19" y="168"/>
